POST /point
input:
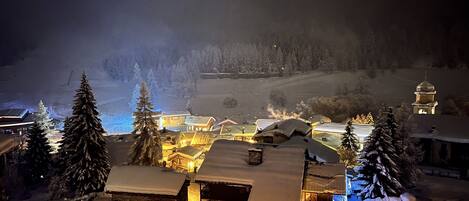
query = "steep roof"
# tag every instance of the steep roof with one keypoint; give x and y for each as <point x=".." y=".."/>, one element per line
<point x="327" y="177"/>
<point x="189" y="151"/>
<point x="263" y="123"/>
<point x="286" y="127"/>
<point x="315" y="149"/>
<point x="14" y="113"/>
<point x="278" y="178"/>
<point x="238" y="129"/>
<point x="144" y="180"/>
<point x="198" y="120"/>
<point x="440" y="127"/>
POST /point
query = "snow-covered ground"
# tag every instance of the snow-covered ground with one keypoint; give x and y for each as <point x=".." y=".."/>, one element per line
<point x="252" y="94"/>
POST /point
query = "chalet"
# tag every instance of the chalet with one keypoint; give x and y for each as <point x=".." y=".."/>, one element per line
<point x="187" y="158"/>
<point x="195" y="138"/>
<point x="174" y="120"/>
<point x="281" y="131"/>
<point x="241" y="132"/>
<point x="226" y="121"/>
<point x="331" y="133"/>
<point x="199" y="123"/>
<point x="445" y="142"/>
<point x="15" y="121"/>
<point x="241" y="171"/>
<point x="261" y="124"/>
<point x="324" y="182"/>
<point x="143" y="183"/>
<point x="314" y="150"/>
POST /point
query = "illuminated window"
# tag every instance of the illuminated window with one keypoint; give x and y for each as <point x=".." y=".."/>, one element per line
<point x="422" y="111"/>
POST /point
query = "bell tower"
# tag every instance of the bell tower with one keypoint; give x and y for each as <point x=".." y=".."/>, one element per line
<point x="425" y="102"/>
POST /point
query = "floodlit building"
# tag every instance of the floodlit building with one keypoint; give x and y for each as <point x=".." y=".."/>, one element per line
<point x="199" y="123"/>
<point x="143" y="183"/>
<point x="425" y="102"/>
<point x="172" y="120"/>
<point x="241" y="132"/>
<point x="188" y="158"/>
<point x="15" y="121"/>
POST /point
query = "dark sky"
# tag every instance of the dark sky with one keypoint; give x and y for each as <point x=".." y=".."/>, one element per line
<point x="72" y="30"/>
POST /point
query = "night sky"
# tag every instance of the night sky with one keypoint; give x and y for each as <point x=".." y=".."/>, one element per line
<point x="61" y="28"/>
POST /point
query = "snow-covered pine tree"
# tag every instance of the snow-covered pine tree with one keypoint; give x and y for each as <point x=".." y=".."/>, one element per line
<point x="396" y="137"/>
<point x="378" y="169"/>
<point x="59" y="182"/>
<point x="349" y="146"/>
<point x="152" y="85"/>
<point x="43" y="119"/>
<point x="89" y="165"/>
<point x="147" y="148"/>
<point x="37" y="155"/>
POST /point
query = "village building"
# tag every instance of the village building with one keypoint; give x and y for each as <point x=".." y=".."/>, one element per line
<point x="261" y="124"/>
<point x="236" y="170"/>
<point x="226" y="122"/>
<point x="331" y="133"/>
<point x="324" y="182"/>
<point x="144" y="183"/>
<point x="172" y="120"/>
<point x="188" y="158"/>
<point x="445" y="142"/>
<point x="425" y="102"/>
<point x="281" y="131"/>
<point x="199" y="123"/>
<point x="241" y="132"/>
<point x="15" y="121"/>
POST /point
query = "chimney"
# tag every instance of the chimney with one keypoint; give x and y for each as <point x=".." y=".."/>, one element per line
<point x="255" y="156"/>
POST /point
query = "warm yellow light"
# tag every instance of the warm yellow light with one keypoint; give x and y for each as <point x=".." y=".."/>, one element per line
<point x="190" y="166"/>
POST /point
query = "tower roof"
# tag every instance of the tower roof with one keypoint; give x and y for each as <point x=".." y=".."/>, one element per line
<point x="425" y="86"/>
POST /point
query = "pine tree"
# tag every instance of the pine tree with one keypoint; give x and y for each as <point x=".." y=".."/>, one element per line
<point x="58" y="185"/>
<point x="378" y="170"/>
<point x="349" y="147"/>
<point x="409" y="157"/>
<point x="88" y="162"/>
<point x="147" y="148"/>
<point x="37" y="155"/>
<point x="43" y="119"/>
<point x="349" y="139"/>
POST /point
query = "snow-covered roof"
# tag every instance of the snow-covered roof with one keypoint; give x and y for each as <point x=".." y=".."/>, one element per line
<point x="248" y="129"/>
<point x="263" y="123"/>
<point x="361" y="131"/>
<point x="189" y="152"/>
<point x="224" y="122"/>
<point x="315" y="149"/>
<point x="287" y="128"/>
<point x="144" y="180"/>
<point x="441" y="127"/>
<point x="8" y="142"/>
<point x="198" y="120"/>
<point x="175" y="113"/>
<point x="15" y="113"/>
<point x="278" y="178"/>
<point x="325" y="178"/>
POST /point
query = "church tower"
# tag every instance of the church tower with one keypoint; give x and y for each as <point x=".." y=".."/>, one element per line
<point x="425" y="102"/>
